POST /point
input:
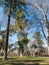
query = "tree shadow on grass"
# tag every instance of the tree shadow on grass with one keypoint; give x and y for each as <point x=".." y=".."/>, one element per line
<point x="24" y="64"/>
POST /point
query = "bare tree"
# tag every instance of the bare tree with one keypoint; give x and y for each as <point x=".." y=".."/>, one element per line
<point x="43" y="7"/>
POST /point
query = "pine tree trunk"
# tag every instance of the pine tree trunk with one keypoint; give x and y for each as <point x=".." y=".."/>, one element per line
<point x="6" y="41"/>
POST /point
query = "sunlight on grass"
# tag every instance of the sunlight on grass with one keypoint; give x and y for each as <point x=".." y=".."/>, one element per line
<point x="26" y="58"/>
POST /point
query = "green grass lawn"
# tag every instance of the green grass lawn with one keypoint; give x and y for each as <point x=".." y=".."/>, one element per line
<point x="29" y="58"/>
<point x="16" y="60"/>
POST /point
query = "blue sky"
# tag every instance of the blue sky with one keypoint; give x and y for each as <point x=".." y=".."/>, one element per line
<point x="13" y="38"/>
<point x="3" y="18"/>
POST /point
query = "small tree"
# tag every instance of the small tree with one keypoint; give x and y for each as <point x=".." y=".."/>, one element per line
<point x="38" y="40"/>
<point x="22" y="41"/>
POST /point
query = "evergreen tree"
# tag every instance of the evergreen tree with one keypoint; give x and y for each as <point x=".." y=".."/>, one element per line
<point x="10" y="6"/>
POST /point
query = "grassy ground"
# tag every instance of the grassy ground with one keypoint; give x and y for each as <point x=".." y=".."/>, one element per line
<point x="16" y="60"/>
